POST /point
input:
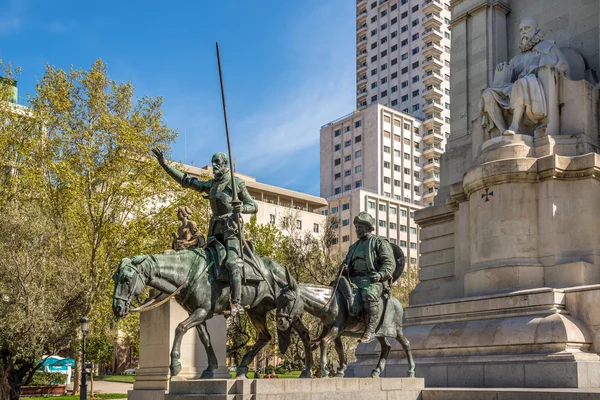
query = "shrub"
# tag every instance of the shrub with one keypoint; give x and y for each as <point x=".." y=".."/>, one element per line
<point x="48" y="379"/>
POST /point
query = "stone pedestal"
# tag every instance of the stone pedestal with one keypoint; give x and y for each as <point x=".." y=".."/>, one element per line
<point x="157" y="329"/>
<point x="302" y="389"/>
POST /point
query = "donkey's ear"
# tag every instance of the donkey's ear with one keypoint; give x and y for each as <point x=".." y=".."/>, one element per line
<point x="291" y="281"/>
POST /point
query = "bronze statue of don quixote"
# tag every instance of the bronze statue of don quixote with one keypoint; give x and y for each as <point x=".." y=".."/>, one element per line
<point x="223" y="276"/>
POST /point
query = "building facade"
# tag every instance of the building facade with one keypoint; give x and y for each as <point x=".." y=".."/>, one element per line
<point x="403" y="61"/>
<point x="372" y="160"/>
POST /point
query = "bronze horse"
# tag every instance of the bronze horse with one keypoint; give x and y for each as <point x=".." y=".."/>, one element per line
<point x="202" y="296"/>
<point x="295" y="299"/>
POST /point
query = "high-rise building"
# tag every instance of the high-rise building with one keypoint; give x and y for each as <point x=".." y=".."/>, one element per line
<point x="403" y="61"/>
<point x="372" y="160"/>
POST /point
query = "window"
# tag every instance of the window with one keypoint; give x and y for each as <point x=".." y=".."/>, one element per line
<point x="271" y="218"/>
<point x="357" y="154"/>
<point x="394" y="48"/>
<point x="316" y="228"/>
<point x="394" y="75"/>
<point x="394" y="102"/>
<point x="382" y="224"/>
<point x="404" y="29"/>
<point x="337" y="176"/>
<point x="447" y="35"/>
<point x="402" y="228"/>
<point x="415" y="36"/>
<point x="374" y="4"/>
<point x="387" y="194"/>
<point x="404" y="15"/>
<point x="407" y="170"/>
<point x="345" y="206"/>
<point x="397" y="182"/>
<point x="447" y="48"/>
<point x="404" y="84"/>
<point x="405" y="97"/>
<point x="337" y="132"/>
<point x="348" y="143"/>
<point x="373" y="85"/>
<point x="387" y="179"/>
<point x="415" y="79"/>
<point x="384" y="93"/>
<point x="394" y="61"/>
<point x="447" y="106"/>
<point x="374" y="32"/>
<point x="447" y="77"/>
<point x="346" y="238"/>
<point x="413" y="231"/>
<point x="394" y="89"/>
<point x="413" y="245"/>
<point x="298" y="224"/>
<point x="416" y="159"/>
<point x="374" y="18"/>
<point x="337" y="147"/>
<point x="334" y="240"/>
<point x="397" y="168"/>
<point x="403" y="243"/>
<point x="415" y="22"/>
<point x="415" y="50"/>
<point x="404" y="57"/>
<point x="393" y="225"/>
<point x="347" y="187"/>
<point x="416" y="174"/>
<point x="404" y="70"/>
<point x="386" y="149"/>
<point x="406" y="185"/>
<point x="346" y="222"/>
<point x="403" y="213"/>
<point x="412" y="215"/>
<point x="357" y="184"/>
<point x="383" y="67"/>
<point x="416" y="189"/>
<point x="406" y="156"/>
<point x="383" y="80"/>
<point x="357" y="139"/>
<point x="394" y="34"/>
<point x="447" y="91"/>
<point x="384" y="26"/>
<point x="337" y="161"/>
<point x="374" y="98"/>
<point x="415" y="93"/>
<point x="347" y="172"/>
<point x="382" y="207"/>
<point x="334" y="209"/>
<point x="374" y="72"/>
<point x="415" y="65"/>
<point x="384" y="13"/>
<point x="384" y="53"/>
<point x="347" y="158"/>
<point x="394" y="20"/>
<point x="374" y="58"/>
<point x="392" y="240"/>
<point x="357" y="124"/>
<point x="397" y="153"/>
<point x="371" y="204"/>
<point x="413" y="260"/>
<point x="404" y="42"/>
<point x="415" y="107"/>
<point x="394" y="7"/>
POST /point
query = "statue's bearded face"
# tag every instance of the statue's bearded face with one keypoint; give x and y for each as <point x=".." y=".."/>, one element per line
<point x="219" y="167"/>
<point x="527" y="30"/>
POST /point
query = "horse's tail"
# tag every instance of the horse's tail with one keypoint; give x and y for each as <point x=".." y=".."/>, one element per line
<point x="284" y="339"/>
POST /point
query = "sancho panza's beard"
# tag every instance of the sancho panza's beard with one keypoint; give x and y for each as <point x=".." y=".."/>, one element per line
<point x="527" y="43"/>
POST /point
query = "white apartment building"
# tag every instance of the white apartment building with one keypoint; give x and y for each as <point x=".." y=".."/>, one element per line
<point x="403" y="61"/>
<point x="372" y="160"/>
<point x="275" y="203"/>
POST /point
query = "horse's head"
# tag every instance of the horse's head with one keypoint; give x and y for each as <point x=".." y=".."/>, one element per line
<point x="288" y="303"/>
<point x="129" y="283"/>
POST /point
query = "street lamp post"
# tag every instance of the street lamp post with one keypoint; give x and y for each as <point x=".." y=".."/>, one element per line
<point x="84" y="321"/>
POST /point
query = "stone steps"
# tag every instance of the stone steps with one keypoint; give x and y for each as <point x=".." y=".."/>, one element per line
<point x="509" y="394"/>
<point x="298" y="389"/>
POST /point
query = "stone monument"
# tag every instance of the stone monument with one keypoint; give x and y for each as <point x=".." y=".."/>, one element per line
<point x="510" y="252"/>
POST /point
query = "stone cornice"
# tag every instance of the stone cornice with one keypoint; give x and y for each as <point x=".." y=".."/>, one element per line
<point x="474" y="7"/>
<point x="434" y="215"/>
<point x="531" y="170"/>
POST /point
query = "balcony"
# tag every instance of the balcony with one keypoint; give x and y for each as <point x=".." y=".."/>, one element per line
<point x="433" y="33"/>
<point x="433" y="136"/>
<point x="431" y="179"/>
<point x="432" y="78"/>
<point x="361" y="28"/>
<point x="433" y="63"/>
<point x="433" y="106"/>
<point x="360" y="3"/>
<point x="361" y="93"/>
<point x="432" y="6"/>
<point x="433" y="151"/>
<point x="361" y="79"/>
<point x="361" y="40"/>
<point x="433" y="121"/>
<point x="432" y="49"/>
<point x="362" y="67"/>
<point x="431" y="20"/>
<point x="428" y="197"/>
<point x="432" y="91"/>
<point x="432" y="166"/>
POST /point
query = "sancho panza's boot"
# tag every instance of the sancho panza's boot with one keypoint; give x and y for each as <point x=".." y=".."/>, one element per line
<point x="372" y="312"/>
<point x="235" y="280"/>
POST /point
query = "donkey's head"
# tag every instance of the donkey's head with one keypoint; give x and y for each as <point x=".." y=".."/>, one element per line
<point x="289" y="304"/>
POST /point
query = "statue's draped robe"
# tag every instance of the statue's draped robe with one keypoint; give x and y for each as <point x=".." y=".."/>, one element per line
<point x="527" y="90"/>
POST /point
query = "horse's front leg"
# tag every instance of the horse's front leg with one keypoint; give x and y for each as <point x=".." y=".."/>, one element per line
<point x="259" y="320"/>
<point x="339" y="348"/>
<point x="213" y="363"/>
<point x="385" y="351"/>
<point x="409" y="357"/>
<point x="195" y="319"/>
<point x="305" y="337"/>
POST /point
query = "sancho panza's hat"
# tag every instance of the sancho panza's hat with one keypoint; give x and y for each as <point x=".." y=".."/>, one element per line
<point x="365" y="218"/>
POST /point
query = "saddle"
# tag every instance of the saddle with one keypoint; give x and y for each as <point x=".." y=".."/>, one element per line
<point x="350" y="293"/>
<point x="218" y="253"/>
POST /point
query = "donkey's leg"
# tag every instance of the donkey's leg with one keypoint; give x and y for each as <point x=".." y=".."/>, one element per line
<point x="409" y="357"/>
<point x="305" y="337"/>
<point x="385" y="351"/>
<point x="195" y="319"/>
<point x="339" y="348"/>
<point x="210" y="352"/>
<point x="259" y="320"/>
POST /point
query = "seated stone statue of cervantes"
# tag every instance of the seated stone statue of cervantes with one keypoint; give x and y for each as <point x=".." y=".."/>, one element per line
<point x="516" y="86"/>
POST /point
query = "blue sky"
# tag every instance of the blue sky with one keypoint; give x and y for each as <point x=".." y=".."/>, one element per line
<point x="288" y="68"/>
